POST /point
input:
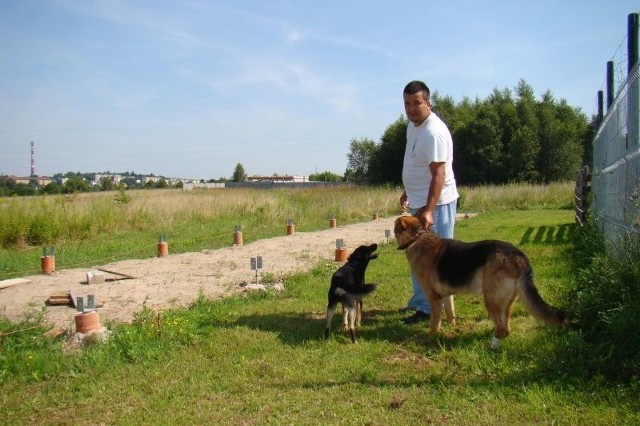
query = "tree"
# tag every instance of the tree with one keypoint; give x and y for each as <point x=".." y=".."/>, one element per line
<point x="503" y="104"/>
<point x="238" y="174"/>
<point x="522" y="152"/>
<point x="445" y="108"/>
<point x="7" y="185"/>
<point x="502" y="140"/>
<point x="464" y="114"/>
<point x="562" y="134"/>
<point x="521" y="155"/>
<point x="22" y="189"/>
<point x="359" y="158"/>
<point x="52" y="188"/>
<point x="325" y="177"/>
<point x="76" y="183"/>
<point x="480" y="158"/>
<point x="122" y="198"/>
<point x="106" y="184"/>
<point x="132" y="181"/>
<point x="386" y="164"/>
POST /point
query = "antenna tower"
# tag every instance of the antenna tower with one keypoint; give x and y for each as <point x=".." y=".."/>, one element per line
<point x="33" y="159"/>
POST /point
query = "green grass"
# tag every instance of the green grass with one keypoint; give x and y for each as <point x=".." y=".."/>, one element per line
<point x="606" y="302"/>
<point x="261" y="359"/>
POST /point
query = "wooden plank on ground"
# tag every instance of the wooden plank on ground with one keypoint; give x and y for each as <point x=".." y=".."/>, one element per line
<point x="58" y="298"/>
<point x="13" y="281"/>
<point x="118" y="273"/>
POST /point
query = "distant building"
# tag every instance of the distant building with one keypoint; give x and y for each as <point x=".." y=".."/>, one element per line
<point x="32" y="180"/>
<point x="188" y="186"/>
<point x="98" y="178"/>
<point x="278" y="179"/>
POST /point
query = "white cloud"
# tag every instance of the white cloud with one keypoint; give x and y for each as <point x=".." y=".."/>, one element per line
<point x="294" y="37"/>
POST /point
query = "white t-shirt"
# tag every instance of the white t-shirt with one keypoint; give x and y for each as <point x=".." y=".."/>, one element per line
<point x="430" y="142"/>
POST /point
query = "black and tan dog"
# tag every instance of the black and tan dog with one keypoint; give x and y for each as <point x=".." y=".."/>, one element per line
<point x="348" y="287"/>
<point x="497" y="270"/>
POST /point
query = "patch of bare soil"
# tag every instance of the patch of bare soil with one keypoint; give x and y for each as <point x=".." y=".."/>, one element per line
<point x="177" y="280"/>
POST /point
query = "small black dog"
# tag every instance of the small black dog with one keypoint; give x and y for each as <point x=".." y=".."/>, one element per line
<point x="348" y="288"/>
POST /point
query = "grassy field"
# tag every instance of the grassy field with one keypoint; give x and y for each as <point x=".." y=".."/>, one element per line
<point x="86" y="229"/>
<point x="261" y="359"/>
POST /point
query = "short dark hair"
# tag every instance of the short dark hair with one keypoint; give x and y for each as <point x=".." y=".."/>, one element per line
<point x="416" y="86"/>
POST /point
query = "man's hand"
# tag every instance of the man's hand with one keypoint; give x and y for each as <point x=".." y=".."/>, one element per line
<point x="426" y="217"/>
<point x="404" y="201"/>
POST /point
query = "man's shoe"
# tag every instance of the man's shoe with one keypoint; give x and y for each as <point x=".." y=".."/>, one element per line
<point x="419" y="316"/>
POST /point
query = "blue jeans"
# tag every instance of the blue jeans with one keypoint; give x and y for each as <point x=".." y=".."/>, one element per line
<point x="444" y="220"/>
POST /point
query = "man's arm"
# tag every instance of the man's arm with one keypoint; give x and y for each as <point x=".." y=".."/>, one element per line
<point x="425" y="214"/>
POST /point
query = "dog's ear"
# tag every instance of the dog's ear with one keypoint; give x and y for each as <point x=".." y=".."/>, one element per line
<point x="398" y="226"/>
<point x="412" y="223"/>
<point x="407" y="224"/>
<point x="400" y="231"/>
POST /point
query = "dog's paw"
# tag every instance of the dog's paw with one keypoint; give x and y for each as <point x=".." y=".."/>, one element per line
<point x="495" y="343"/>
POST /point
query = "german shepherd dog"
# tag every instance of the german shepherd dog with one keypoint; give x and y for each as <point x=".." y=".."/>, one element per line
<point x="348" y="287"/>
<point x="497" y="270"/>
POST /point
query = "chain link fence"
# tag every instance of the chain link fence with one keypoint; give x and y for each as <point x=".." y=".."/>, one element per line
<point x="616" y="163"/>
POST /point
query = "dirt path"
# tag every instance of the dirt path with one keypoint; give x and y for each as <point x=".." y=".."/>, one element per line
<point x="176" y="280"/>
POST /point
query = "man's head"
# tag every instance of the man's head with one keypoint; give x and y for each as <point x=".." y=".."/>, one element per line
<point x="417" y="102"/>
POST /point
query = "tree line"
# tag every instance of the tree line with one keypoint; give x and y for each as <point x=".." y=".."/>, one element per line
<point x="507" y="137"/>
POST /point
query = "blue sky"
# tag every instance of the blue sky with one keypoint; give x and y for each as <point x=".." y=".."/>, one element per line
<point x="191" y="88"/>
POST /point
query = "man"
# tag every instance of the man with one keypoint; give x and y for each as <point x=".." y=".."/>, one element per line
<point x="430" y="191"/>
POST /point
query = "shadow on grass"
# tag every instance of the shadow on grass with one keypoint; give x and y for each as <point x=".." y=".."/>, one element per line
<point x="561" y="234"/>
<point x="294" y="328"/>
<point x="543" y="356"/>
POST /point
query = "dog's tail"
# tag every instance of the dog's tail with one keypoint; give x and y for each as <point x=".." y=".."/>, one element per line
<point x="361" y="290"/>
<point x="529" y="295"/>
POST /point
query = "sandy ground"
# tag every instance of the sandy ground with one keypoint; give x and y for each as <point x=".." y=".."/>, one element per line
<point x="177" y="280"/>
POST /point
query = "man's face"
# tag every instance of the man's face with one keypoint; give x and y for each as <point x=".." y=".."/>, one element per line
<point x="416" y="107"/>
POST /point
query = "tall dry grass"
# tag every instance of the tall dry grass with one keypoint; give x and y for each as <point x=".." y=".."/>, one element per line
<point x="86" y="229"/>
<point x="517" y="196"/>
<point x="36" y="221"/>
